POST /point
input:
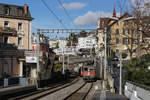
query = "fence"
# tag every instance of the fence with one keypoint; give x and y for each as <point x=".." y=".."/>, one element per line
<point x="1" y="82"/>
<point x="11" y="81"/>
<point x="135" y="91"/>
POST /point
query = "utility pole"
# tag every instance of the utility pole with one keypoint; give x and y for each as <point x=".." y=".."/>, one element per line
<point x="105" y="55"/>
<point x="120" y="86"/>
<point x="38" y="65"/>
<point x="63" y="61"/>
<point x="68" y="60"/>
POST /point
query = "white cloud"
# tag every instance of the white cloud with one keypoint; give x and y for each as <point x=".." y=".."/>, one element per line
<point x="144" y="1"/>
<point x="90" y="18"/>
<point x="74" y="5"/>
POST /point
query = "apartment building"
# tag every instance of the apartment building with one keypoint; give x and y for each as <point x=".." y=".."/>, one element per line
<point x="15" y="29"/>
<point x="125" y="36"/>
<point x="103" y="26"/>
<point x="86" y="42"/>
<point x="15" y="25"/>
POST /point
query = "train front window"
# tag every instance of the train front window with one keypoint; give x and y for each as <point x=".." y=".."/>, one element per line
<point x="85" y="69"/>
<point x="91" y="69"/>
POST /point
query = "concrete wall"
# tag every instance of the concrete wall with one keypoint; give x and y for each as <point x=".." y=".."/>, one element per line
<point x="134" y="92"/>
<point x="110" y="81"/>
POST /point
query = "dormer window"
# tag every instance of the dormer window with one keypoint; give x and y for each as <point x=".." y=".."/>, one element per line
<point x="20" y="11"/>
<point x="7" y="11"/>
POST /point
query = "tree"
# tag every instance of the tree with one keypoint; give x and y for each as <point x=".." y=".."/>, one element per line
<point x="139" y="25"/>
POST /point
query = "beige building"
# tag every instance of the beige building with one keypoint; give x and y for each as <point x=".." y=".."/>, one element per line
<point x="15" y="36"/>
<point x="103" y="24"/>
<point x="15" y="25"/>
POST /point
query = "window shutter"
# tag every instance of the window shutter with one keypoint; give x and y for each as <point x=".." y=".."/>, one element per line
<point x="128" y="40"/>
<point x="123" y="40"/>
<point x="123" y="30"/>
<point x="128" y="31"/>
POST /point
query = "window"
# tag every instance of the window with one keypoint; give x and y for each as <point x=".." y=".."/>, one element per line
<point x="20" y="11"/>
<point x="117" y="31"/>
<point x="102" y="23"/>
<point x="19" y="26"/>
<point x="125" y="40"/>
<point x="134" y="31"/>
<point x="5" y="39"/>
<point x="7" y="11"/>
<point x="117" y="40"/>
<point x="125" y="23"/>
<point x="134" y="41"/>
<point x="6" y="24"/>
<point x="117" y="52"/>
<point x="126" y="31"/>
<point x="19" y="41"/>
<point x="85" y="69"/>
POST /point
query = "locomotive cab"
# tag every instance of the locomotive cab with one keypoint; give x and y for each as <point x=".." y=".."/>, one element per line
<point x="89" y="73"/>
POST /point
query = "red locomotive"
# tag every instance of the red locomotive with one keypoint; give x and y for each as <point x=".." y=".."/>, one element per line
<point x="88" y="72"/>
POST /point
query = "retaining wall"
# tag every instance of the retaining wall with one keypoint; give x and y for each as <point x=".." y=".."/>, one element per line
<point x="135" y="91"/>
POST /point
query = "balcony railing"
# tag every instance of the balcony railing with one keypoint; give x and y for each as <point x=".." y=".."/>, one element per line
<point x="33" y="53"/>
<point x="8" y="30"/>
<point x="20" y="32"/>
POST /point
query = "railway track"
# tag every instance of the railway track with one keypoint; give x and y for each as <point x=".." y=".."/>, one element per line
<point x="44" y="92"/>
<point x="81" y="93"/>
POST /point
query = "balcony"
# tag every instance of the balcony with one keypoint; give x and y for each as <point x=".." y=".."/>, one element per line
<point x="20" y="32"/>
<point x="32" y="53"/>
<point x="8" y="31"/>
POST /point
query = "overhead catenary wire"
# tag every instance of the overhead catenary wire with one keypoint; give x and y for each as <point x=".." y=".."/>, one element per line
<point x="65" y="10"/>
<point x="51" y="11"/>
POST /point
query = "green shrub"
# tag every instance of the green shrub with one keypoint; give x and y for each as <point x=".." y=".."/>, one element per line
<point x="135" y="70"/>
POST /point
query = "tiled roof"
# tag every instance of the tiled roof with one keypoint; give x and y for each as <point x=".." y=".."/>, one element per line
<point x="13" y="12"/>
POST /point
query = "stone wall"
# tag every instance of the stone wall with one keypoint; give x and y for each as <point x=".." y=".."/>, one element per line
<point x="136" y="92"/>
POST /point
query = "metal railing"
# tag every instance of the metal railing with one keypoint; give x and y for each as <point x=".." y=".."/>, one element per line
<point x="33" y="53"/>
<point x="1" y="82"/>
<point x="13" y="81"/>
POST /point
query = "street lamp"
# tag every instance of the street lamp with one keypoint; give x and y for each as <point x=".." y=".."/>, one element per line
<point x="105" y="55"/>
<point x="120" y="85"/>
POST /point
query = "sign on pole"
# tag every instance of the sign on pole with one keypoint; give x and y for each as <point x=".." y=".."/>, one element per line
<point x="31" y="59"/>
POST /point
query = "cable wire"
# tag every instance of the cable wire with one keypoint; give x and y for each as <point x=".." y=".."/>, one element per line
<point x="60" y="21"/>
<point x="65" y="10"/>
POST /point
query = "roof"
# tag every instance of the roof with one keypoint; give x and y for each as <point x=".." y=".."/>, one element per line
<point x="13" y="12"/>
<point x="129" y="18"/>
<point x="126" y="14"/>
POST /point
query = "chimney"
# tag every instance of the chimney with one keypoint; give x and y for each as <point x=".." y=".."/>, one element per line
<point x="25" y="9"/>
<point x="114" y="12"/>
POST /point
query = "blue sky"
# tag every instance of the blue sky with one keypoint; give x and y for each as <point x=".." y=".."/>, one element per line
<point x="83" y="12"/>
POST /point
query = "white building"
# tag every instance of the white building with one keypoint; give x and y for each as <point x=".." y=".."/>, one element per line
<point x="86" y="42"/>
<point x="62" y="43"/>
<point x="65" y="51"/>
<point x="53" y="43"/>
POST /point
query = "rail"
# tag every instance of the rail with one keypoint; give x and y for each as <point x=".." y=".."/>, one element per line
<point x="44" y="92"/>
<point x="73" y="94"/>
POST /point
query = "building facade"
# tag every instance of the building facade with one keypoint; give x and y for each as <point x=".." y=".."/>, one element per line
<point x="15" y="29"/>
<point x="15" y="25"/>
<point x="86" y="42"/>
